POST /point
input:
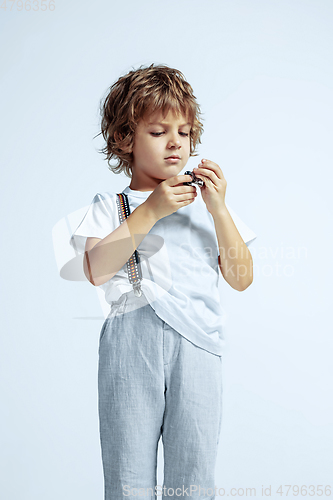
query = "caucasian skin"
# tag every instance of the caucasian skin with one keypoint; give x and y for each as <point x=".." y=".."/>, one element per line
<point x="155" y="139"/>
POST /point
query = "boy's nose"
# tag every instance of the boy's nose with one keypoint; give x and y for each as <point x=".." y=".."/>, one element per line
<point x="174" y="142"/>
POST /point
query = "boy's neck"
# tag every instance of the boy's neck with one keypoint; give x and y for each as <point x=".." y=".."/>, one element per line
<point x="137" y="185"/>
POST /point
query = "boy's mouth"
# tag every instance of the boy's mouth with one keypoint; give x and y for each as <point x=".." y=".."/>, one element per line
<point x="173" y="156"/>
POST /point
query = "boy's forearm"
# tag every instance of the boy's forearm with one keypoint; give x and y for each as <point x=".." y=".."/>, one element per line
<point x="112" y="252"/>
<point x="235" y="259"/>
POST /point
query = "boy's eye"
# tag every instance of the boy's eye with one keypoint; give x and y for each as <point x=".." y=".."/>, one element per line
<point x="157" y="134"/>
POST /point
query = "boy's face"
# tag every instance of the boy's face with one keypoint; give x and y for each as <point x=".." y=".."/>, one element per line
<point x="157" y="138"/>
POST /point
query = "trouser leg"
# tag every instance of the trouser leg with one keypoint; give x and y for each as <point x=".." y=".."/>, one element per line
<point x="192" y="418"/>
<point x="131" y="401"/>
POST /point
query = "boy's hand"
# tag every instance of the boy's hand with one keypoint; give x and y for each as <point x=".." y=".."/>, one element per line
<point x="213" y="192"/>
<point x="170" y="195"/>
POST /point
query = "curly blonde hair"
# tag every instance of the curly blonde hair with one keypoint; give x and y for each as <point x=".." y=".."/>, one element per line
<point x="139" y="93"/>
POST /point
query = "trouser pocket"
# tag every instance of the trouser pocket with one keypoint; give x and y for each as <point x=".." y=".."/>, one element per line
<point x="105" y="324"/>
<point x="117" y="308"/>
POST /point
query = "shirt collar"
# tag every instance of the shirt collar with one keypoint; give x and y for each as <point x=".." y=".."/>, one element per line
<point x="136" y="194"/>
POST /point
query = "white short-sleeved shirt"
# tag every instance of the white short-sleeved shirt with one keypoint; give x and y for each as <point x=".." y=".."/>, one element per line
<point x="179" y="264"/>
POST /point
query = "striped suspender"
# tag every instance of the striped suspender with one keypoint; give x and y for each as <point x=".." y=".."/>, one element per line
<point x="133" y="263"/>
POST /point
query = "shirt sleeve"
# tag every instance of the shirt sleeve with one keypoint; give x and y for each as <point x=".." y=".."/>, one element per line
<point x="246" y="233"/>
<point x="98" y="222"/>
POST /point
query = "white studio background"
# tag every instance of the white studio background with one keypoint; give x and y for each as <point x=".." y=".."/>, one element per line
<point x="262" y="72"/>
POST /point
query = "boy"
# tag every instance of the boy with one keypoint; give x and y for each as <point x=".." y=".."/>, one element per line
<point x="160" y="363"/>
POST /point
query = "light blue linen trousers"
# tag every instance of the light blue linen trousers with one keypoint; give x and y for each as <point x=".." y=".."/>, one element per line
<point x="153" y="382"/>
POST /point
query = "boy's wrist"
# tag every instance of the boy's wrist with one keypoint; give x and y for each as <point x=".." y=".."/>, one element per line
<point x="148" y="213"/>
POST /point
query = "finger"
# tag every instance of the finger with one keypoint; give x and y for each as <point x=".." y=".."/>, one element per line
<point x="212" y="166"/>
<point x="206" y="173"/>
<point x="179" y="179"/>
<point x="209" y="172"/>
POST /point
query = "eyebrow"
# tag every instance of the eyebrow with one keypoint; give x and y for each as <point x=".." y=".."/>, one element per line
<point x="160" y="123"/>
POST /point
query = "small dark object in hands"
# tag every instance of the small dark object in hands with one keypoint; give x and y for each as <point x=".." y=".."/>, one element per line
<point x="195" y="180"/>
